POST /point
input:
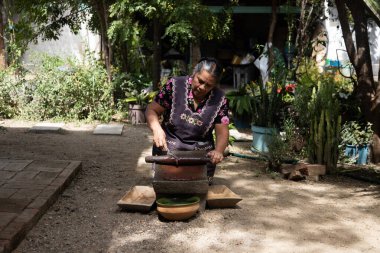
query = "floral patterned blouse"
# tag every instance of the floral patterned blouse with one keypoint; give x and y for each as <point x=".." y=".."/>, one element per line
<point x="165" y="98"/>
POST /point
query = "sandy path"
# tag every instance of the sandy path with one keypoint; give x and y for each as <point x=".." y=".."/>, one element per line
<point x="334" y="215"/>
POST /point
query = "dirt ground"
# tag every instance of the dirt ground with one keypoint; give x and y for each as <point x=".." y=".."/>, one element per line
<point x="336" y="214"/>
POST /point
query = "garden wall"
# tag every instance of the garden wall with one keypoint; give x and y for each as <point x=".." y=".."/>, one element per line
<point x="68" y="45"/>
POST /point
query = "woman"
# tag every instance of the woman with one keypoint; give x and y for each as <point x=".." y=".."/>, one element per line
<point x="192" y="107"/>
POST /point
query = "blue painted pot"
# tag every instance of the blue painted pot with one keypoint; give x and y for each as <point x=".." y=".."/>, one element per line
<point x="261" y="137"/>
<point x="361" y="152"/>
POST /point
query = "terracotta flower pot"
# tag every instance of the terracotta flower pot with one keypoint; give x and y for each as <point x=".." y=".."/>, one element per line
<point x="176" y="209"/>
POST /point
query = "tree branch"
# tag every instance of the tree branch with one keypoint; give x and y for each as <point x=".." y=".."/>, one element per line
<point x="347" y="34"/>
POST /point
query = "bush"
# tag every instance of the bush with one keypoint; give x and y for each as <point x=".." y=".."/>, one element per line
<point x="10" y="87"/>
<point x="67" y="90"/>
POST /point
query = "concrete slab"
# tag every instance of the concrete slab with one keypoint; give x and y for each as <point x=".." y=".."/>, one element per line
<point x="239" y="136"/>
<point x="47" y="127"/>
<point x="114" y="129"/>
<point x="27" y="193"/>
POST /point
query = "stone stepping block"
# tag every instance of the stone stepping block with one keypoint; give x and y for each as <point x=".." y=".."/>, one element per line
<point x="115" y="129"/>
<point x="240" y="136"/>
<point x="47" y="127"/>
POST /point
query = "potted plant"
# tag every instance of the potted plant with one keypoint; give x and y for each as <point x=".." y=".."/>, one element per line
<point x="268" y="93"/>
<point x="137" y="104"/>
<point x="355" y="141"/>
<point x="241" y="105"/>
<point x="137" y="95"/>
<point x="267" y="105"/>
<point x="260" y="102"/>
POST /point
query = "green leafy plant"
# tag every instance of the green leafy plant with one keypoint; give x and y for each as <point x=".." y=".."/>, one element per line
<point x="324" y="123"/>
<point x="142" y="99"/>
<point x="256" y="102"/>
<point x="353" y="133"/>
<point x="241" y="101"/>
<point x="268" y="95"/>
<point x="281" y="146"/>
<point x="68" y="90"/>
<point x="136" y="88"/>
<point x="278" y="150"/>
<point x="267" y="103"/>
<point x="11" y="86"/>
<point x="354" y="140"/>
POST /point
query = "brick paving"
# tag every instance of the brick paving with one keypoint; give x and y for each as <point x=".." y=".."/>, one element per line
<point x="27" y="189"/>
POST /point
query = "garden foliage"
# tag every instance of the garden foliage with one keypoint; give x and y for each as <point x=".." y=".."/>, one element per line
<point x="325" y="123"/>
<point x="60" y="89"/>
<point x="9" y="88"/>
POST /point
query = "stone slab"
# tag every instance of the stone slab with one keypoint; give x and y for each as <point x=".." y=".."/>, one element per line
<point x="26" y="193"/>
<point x="6" y="193"/>
<point x="13" y="205"/>
<point x="114" y="129"/>
<point x="239" y="136"/>
<point x="6" y="218"/>
<point x="47" y="127"/>
<point x="48" y="166"/>
<point x="4" y="246"/>
<point x="23" y="201"/>
<point x="24" y="176"/>
<point x="316" y="169"/>
<point x="7" y="174"/>
<point x="14" y="165"/>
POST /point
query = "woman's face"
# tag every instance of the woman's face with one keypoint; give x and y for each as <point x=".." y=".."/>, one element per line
<point x="202" y="84"/>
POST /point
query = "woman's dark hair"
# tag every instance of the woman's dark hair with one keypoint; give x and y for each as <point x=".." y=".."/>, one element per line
<point x="211" y="65"/>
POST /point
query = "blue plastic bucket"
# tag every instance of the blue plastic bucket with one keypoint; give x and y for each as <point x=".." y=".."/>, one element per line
<point x="361" y="152"/>
<point x="261" y="137"/>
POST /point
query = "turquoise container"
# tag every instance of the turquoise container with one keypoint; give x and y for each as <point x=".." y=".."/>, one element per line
<point x="261" y="137"/>
<point x="361" y="152"/>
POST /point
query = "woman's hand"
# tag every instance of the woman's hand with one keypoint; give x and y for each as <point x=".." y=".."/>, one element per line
<point x="152" y="114"/>
<point x="221" y="132"/>
<point x="215" y="156"/>
<point x="159" y="138"/>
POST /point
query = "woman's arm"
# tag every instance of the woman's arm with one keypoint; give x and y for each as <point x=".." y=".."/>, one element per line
<point x="222" y="134"/>
<point x="152" y="114"/>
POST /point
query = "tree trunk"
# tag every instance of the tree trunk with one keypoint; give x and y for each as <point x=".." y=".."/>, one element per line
<point x="305" y="21"/>
<point x="109" y="46"/>
<point x="3" y="60"/>
<point x="156" y="53"/>
<point x="376" y="123"/>
<point x="270" y="36"/>
<point x="363" y="67"/>
<point x="101" y="9"/>
<point x="365" y="91"/>
<point x="124" y="56"/>
<point x="195" y="53"/>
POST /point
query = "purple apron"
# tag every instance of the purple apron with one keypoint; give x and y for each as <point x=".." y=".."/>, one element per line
<point x="188" y="130"/>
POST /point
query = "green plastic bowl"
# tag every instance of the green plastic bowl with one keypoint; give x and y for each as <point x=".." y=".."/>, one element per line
<point x="177" y="201"/>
